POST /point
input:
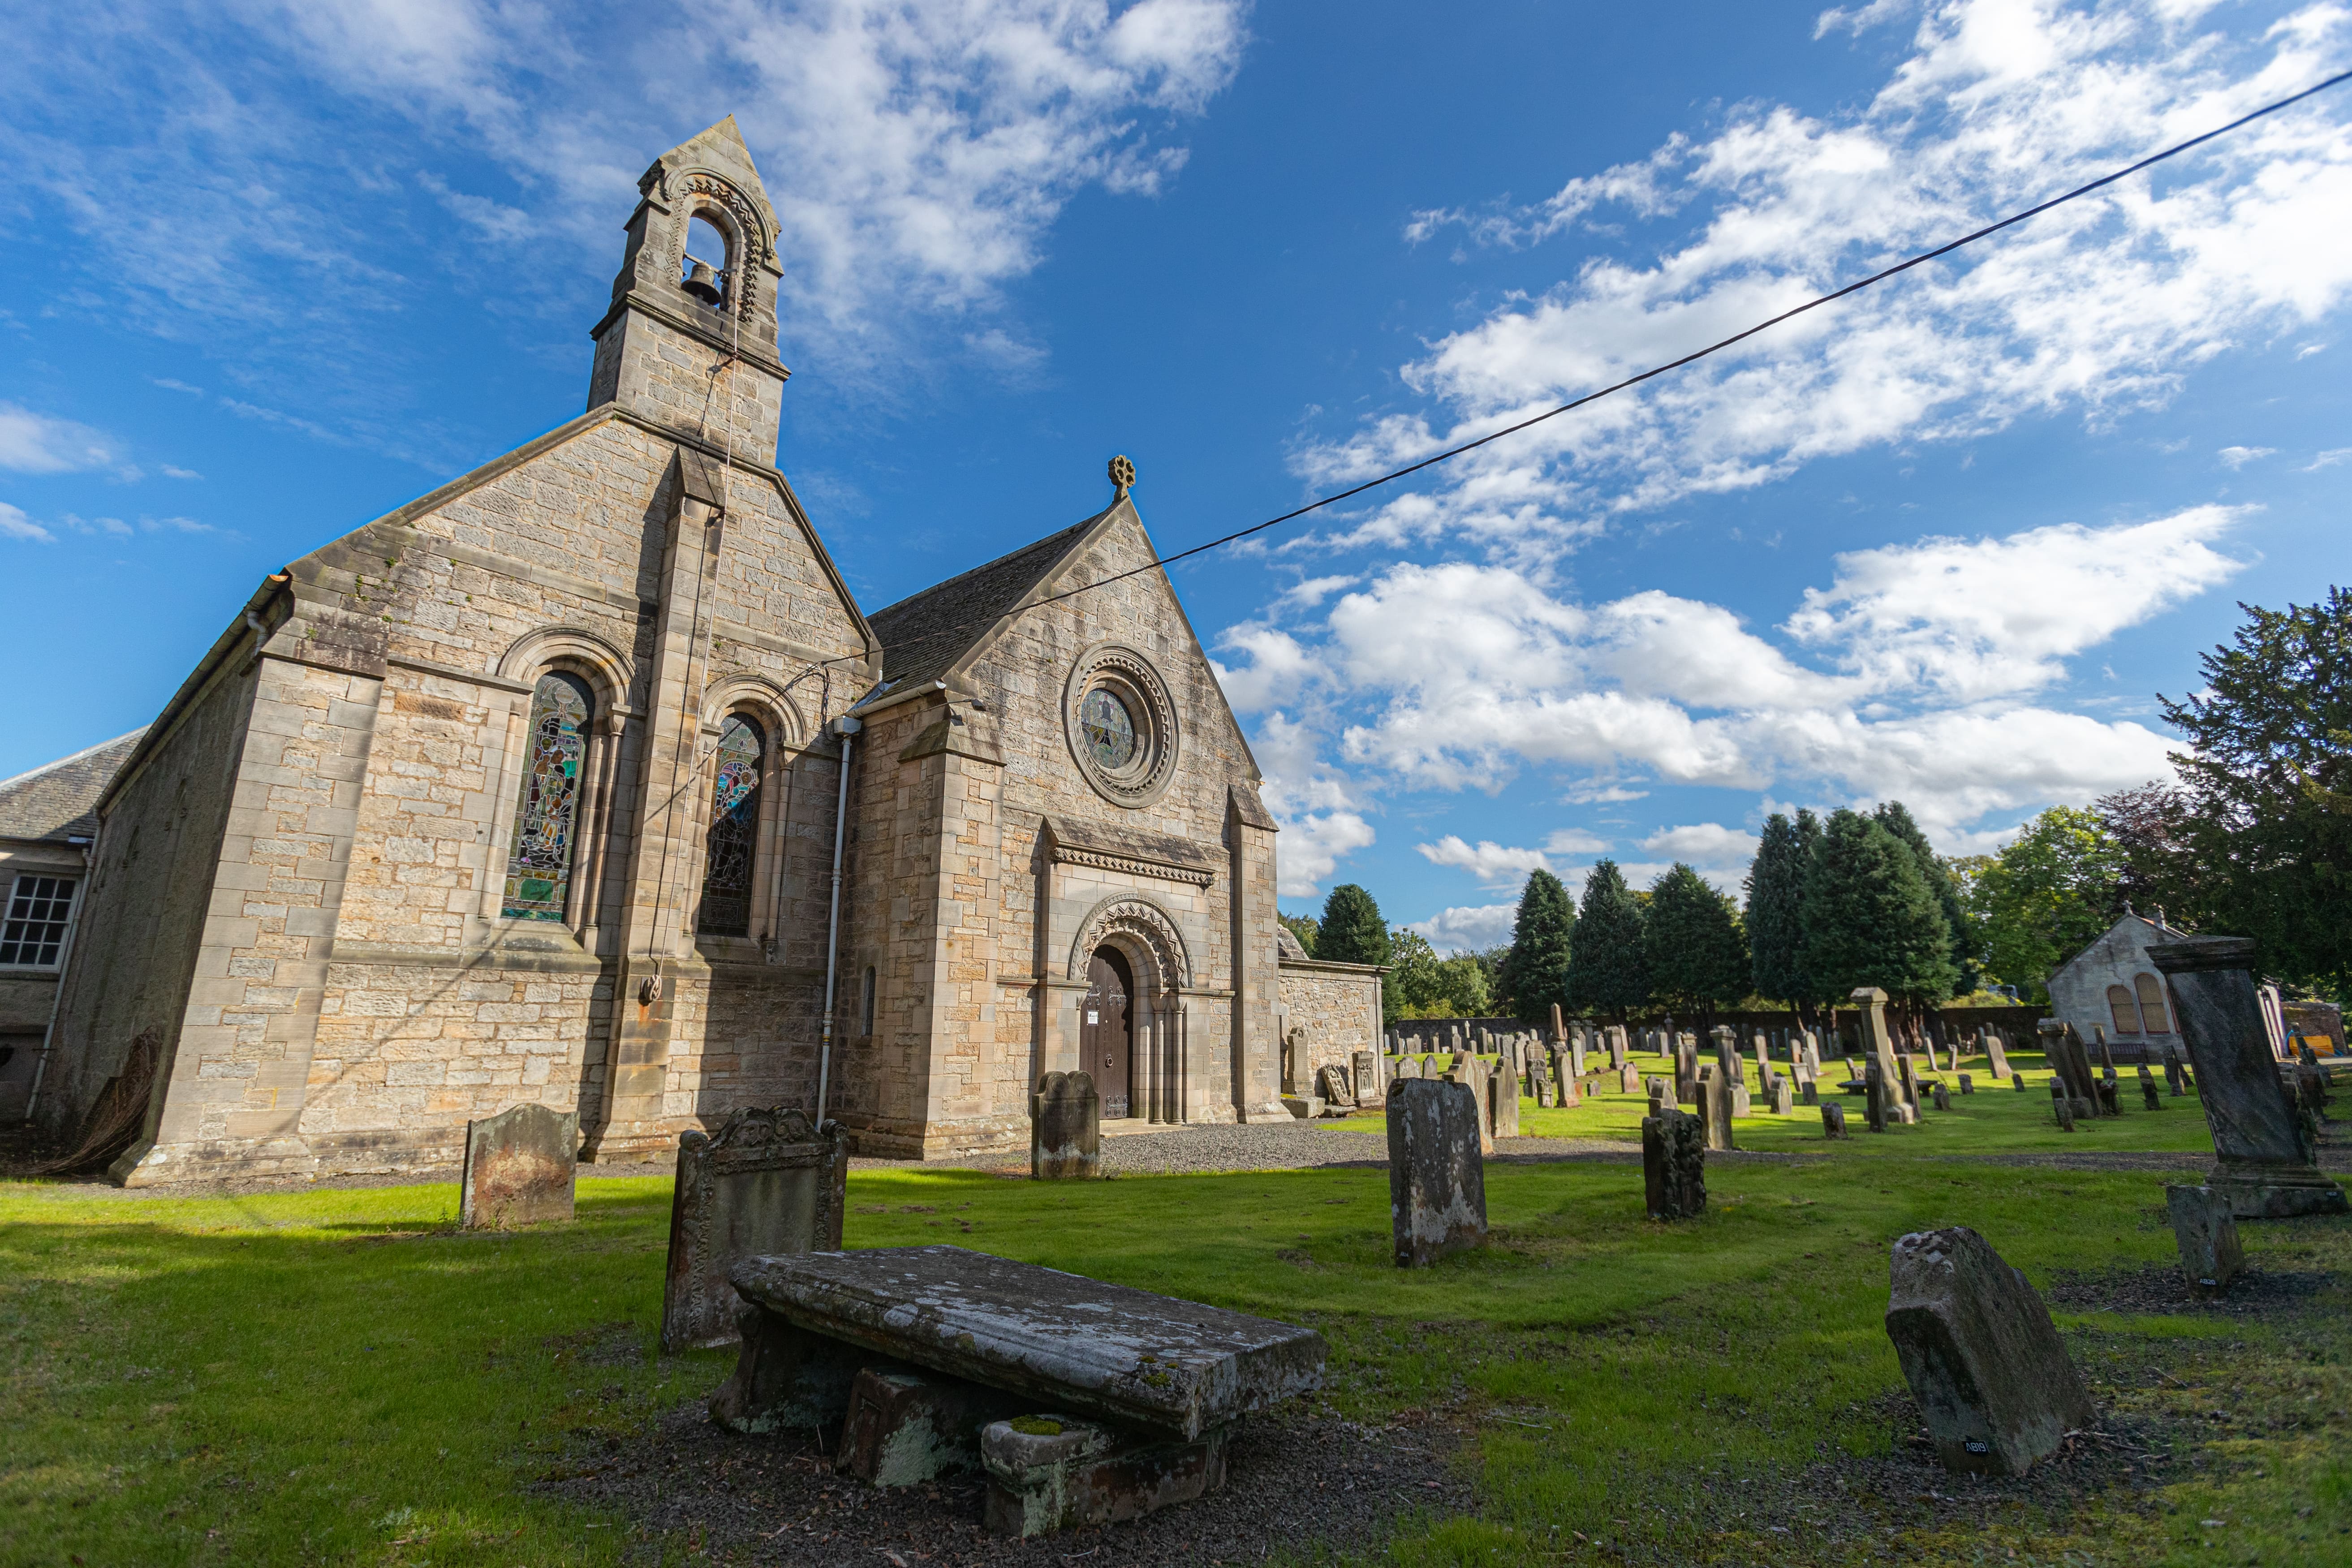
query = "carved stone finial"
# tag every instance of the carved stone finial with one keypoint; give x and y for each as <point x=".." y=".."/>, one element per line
<point x="1122" y="473"/>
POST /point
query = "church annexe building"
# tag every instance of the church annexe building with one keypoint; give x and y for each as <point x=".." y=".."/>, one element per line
<point x="583" y="781"/>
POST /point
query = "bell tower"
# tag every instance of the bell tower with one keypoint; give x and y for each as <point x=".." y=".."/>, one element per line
<point x="690" y="340"/>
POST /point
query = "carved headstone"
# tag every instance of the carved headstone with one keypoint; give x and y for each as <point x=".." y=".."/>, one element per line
<point x="519" y="1166"/>
<point x="1065" y="1129"/>
<point x="2267" y="1164"/>
<point x="765" y="1182"/>
<point x="1503" y="1100"/>
<point x="1810" y="1093"/>
<point x="2172" y="1069"/>
<point x="1983" y="1359"/>
<point x="2207" y="1234"/>
<point x="1367" y="1077"/>
<point x="1437" y="1179"/>
<point x="1332" y="1082"/>
<point x="1673" y="1165"/>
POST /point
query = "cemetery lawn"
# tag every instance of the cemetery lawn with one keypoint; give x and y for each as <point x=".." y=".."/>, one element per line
<point x="341" y="1377"/>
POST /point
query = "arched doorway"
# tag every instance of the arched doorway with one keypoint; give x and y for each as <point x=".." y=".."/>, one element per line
<point x="1107" y="1033"/>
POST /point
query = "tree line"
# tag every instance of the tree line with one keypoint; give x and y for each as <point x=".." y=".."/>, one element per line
<point x="2254" y="838"/>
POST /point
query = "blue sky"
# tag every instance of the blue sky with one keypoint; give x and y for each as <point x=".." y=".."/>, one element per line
<point x="272" y="270"/>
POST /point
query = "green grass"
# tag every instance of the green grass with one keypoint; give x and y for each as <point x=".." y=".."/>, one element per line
<point x="339" y="1377"/>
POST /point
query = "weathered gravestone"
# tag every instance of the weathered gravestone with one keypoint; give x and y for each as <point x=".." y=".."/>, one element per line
<point x="1437" y="1180"/>
<point x="519" y="1166"/>
<point x="1617" y="1045"/>
<point x="1967" y="1084"/>
<point x="1941" y="1096"/>
<point x="1875" y="1101"/>
<point x="1165" y="1378"/>
<point x="1784" y="1099"/>
<point x="2172" y="1069"/>
<point x="2148" y="1092"/>
<point x="1629" y="1079"/>
<point x="1809" y="1093"/>
<point x="1407" y="1067"/>
<point x="1064" y="1128"/>
<point x="1332" y="1083"/>
<point x="1983" y="1359"/>
<point x="1503" y="1100"/>
<point x="2061" y="1105"/>
<point x="1715" y="1111"/>
<point x="1878" y="1046"/>
<point x="2017" y="1081"/>
<point x="766" y="1181"/>
<point x="2267" y="1164"/>
<point x="1368" y="1079"/>
<point x="2062" y="1048"/>
<point x="1674" y="1164"/>
<point x="1832" y="1120"/>
<point x="1995" y="1054"/>
<point x="2207" y="1234"/>
<point x="1907" y="1077"/>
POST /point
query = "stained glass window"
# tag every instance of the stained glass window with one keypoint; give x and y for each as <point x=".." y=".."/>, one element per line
<point x="538" y="871"/>
<point x="734" y="830"/>
<point x="35" y="930"/>
<point x="1109" y="728"/>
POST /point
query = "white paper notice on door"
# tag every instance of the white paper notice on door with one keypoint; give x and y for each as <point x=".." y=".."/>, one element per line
<point x="1093" y="1017"/>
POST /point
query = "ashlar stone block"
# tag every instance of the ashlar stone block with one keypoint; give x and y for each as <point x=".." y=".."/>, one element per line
<point x="1984" y="1362"/>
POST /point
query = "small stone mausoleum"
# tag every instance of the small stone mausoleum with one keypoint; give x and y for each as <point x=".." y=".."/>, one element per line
<point x="543" y="788"/>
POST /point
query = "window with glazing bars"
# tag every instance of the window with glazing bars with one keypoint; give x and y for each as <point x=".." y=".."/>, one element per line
<point x="34" y="931"/>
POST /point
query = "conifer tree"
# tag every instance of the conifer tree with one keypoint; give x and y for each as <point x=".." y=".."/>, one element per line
<point x="1535" y="972"/>
<point x="1893" y="816"/>
<point x="1692" y="944"/>
<point x="1606" y="974"/>
<point x="1776" y="895"/>
<point x="1870" y="918"/>
<point x="1351" y="929"/>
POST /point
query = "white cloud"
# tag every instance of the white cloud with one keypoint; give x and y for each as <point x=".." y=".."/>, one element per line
<point x="2327" y="460"/>
<point x="1321" y="819"/>
<point x="2095" y="310"/>
<point x="1471" y="928"/>
<point x="1704" y="843"/>
<point x="1496" y="865"/>
<point x="176" y="473"/>
<point x="14" y="524"/>
<point x="2239" y="456"/>
<point x="34" y="443"/>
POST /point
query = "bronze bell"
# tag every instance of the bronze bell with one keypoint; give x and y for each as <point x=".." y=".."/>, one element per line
<point x="701" y="282"/>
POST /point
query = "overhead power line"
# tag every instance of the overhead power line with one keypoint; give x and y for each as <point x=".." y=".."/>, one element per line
<point x="1692" y="358"/>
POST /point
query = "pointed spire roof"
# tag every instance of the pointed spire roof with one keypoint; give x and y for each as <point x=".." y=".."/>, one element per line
<point x="720" y="150"/>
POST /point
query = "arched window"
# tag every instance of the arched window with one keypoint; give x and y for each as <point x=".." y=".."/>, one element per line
<point x="703" y="270"/>
<point x="539" y="869"/>
<point x="2151" y="1004"/>
<point x="734" y="830"/>
<point x="2126" y="1011"/>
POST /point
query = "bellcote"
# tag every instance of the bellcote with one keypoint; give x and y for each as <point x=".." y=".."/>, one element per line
<point x="690" y="339"/>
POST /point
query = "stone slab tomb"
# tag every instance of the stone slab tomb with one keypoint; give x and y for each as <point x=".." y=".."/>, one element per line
<point x="1437" y="1176"/>
<point x="1984" y="1362"/>
<point x="2267" y="1155"/>
<point x="766" y="1181"/>
<point x="1064" y="1128"/>
<point x="920" y="1352"/>
<point x="2207" y="1234"/>
<point x="519" y="1167"/>
<point x="1674" y="1164"/>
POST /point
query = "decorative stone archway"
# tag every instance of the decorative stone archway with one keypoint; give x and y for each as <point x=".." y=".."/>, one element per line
<point x="1146" y="936"/>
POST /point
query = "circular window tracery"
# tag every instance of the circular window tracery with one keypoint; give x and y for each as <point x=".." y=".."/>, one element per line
<point x="1122" y="726"/>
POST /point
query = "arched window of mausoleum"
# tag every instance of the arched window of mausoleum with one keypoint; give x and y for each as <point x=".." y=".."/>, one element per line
<point x="546" y="837"/>
<point x="2158" y="1017"/>
<point x="2125" y="1010"/>
<point x="732" y="844"/>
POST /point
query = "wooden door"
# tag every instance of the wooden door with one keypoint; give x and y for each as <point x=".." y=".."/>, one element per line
<point x="1107" y="1042"/>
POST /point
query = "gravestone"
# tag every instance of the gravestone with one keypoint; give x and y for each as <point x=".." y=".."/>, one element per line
<point x="1715" y="1111"/>
<point x="1064" y="1128"/>
<point x="1876" y="1101"/>
<point x="2017" y="1082"/>
<point x="1629" y="1079"/>
<point x="1832" y="1120"/>
<point x="1907" y="1074"/>
<point x="1437" y="1180"/>
<point x="1984" y="1362"/>
<point x="1996" y="1056"/>
<point x="1727" y="1052"/>
<point x="2107" y="1097"/>
<point x="519" y="1166"/>
<point x="1367" y="1077"/>
<point x="1784" y="1099"/>
<point x="2106" y="1053"/>
<point x="2062" y="1048"/>
<point x="2148" y="1090"/>
<point x="1878" y="1046"/>
<point x="1503" y="1100"/>
<point x="1942" y="1096"/>
<point x="1569" y="1090"/>
<point x="2207" y="1233"/>
<point x="1967" y="1084"/>
<point x="1810" y="1093"/>
<point x="1934" y="1063"/>
<point x="1617" y="1045"/>
<point x="2266" y="1163"/>
<point x="2172" y="1069"/>
<point x="1407" y="1067"/>
<point x="1331" y="1081"/>
<point x="1673" y="1165"/>
<point x="765" y="1182"/>
<point x="2061" y="1105"/>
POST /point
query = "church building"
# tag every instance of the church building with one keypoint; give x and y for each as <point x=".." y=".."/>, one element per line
<point x="585" y="780"/>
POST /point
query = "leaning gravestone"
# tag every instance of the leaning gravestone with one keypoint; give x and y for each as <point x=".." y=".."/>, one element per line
<point x="1065" y="1129"/>
<point x="2207" y="1234"/>
<point x="519" y="1166"/>
<point x="1503" y="1100"/>
<point x="1832" y="1120"/>
<point x="2148" y="1092"/>
<point x="1715" y="1111"/>
<point x="766" y="1181"/>
<point x="2267" y="1164"/>
<point x="1674" y="1164"/>
<point x="1983" y="1359"/>
<point x="1995" y="1054"/>
<point x="1437" y="1180"/>
<point x="1333" y="1083"/>
<point x="2062" y="1048"/>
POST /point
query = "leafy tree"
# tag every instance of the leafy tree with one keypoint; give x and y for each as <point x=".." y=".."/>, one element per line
<point x="1692" y="944"/>
<point x="1535" y="969"/>
<point x="1896" y="818"/>
<point x="2154" y="866"/>
<point x="2265" y="817"/>
<point x="1351" y="929"/>
<point x="1469" y="985"/>
<point x="1414" y="982"/>
<point x="1776" y="896"/>
<point x="2044" y="897"/>
<point x="1302" y="927"/>
<point x="1870" y="918"/>
<point x="1606" y="974"/>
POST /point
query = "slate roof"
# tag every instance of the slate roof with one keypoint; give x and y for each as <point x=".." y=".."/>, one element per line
<point x="59" y="801"/>
<point x="924" y="635"/>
